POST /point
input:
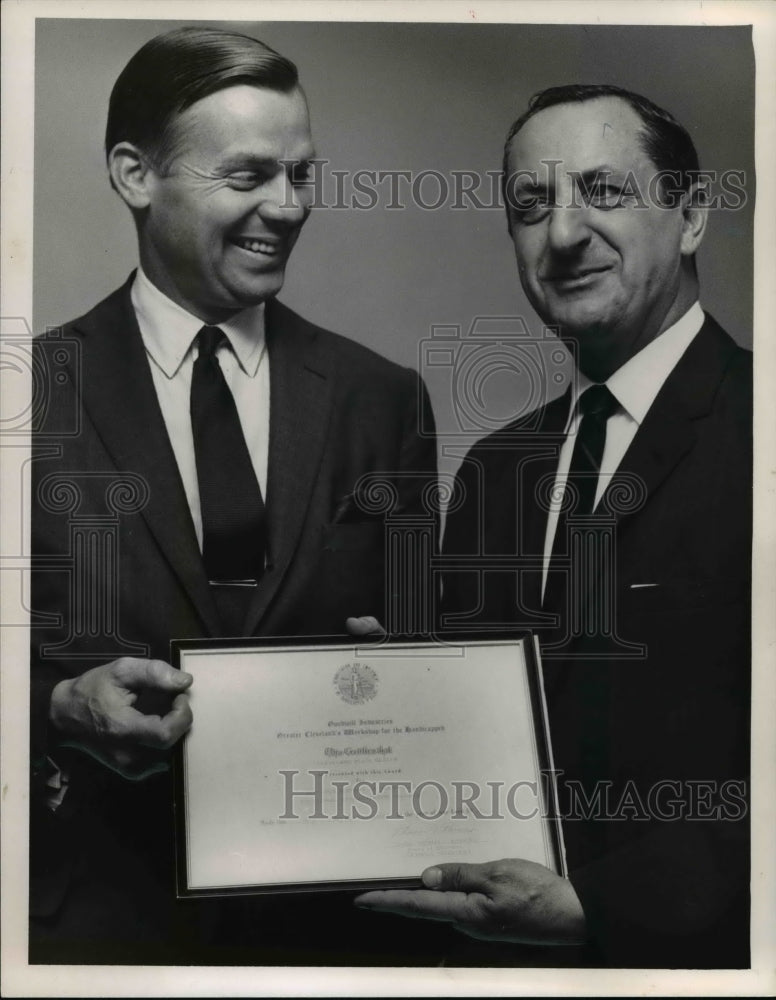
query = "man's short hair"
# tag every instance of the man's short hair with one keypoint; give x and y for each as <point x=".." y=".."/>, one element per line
<point x="663" y="139"/>
<point x="174" y="70"/>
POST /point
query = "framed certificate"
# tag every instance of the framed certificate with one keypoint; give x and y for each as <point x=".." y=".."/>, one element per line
<point x="319" y="766"/>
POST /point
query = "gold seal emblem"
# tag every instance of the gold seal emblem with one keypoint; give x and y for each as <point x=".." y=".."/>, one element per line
<point x="355" y="683"/>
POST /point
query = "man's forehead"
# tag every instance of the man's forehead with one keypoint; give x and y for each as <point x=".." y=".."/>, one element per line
<point x="583" y="135"/>
<point x="241" y="101"/>
<point x="242" y="113"/>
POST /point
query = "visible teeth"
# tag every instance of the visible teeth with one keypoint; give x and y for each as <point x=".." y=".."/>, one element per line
<point x="257" y="246"/>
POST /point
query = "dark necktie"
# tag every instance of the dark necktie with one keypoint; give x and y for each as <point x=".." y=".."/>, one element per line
<point x="233" y="519"/>
<point x="596" y="404"/>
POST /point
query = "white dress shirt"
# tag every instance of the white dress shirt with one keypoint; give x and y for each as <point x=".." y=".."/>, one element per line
<point x="169" y="334"/>
<point x="635" y="386"/>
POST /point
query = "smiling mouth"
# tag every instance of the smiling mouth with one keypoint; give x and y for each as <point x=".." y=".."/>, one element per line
<point x="259" y="247"/>
<point x="575" y="277"/>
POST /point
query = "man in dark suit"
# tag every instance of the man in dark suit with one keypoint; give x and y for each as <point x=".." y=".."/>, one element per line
<point x="198" y="473"/>
<point x="637" y="579"/>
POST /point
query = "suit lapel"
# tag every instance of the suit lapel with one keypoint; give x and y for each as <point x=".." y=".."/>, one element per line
<point x="119" y="395"/>
<point x="543" y="462"/>
<point x="531" y="515"/>
<point x="300" y="410"/>
<point x="664" y="438"/>
<point x="668" y="432"/>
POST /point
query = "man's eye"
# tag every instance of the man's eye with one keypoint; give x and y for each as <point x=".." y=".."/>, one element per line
<point x="532" y="208"/>
<point x="301" y="174"/>
<point x="606" y="196"/>
<point x="245" y="180"/>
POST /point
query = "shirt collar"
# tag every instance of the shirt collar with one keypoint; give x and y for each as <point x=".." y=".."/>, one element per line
<point x="636" y="384"/>
<point x="168" y="330"/>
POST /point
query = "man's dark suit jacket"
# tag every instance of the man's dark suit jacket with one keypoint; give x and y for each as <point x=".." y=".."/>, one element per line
<point x="102" y="867"/>
<point x="670" y="892"/>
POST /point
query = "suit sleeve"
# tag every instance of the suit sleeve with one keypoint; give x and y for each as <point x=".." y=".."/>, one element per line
<point x="49" y="581"/>
<point x="412" y="595"/>
<point x="672" y="898"/>
<point x="418" y="449"/>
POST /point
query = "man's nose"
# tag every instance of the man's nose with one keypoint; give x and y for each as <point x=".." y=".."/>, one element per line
<point x="283" y="201"/>
<point x="569" y="228"/>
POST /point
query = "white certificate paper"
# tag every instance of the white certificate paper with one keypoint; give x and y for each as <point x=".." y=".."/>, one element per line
<point x="320" y="767"/>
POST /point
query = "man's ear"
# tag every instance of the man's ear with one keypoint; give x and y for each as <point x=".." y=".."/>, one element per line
<point x="130" y="174"/>
<point x="695" y="215"/>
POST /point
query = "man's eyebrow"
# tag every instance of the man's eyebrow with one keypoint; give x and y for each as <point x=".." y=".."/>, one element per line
<point x="530" y="184"/>
<point x="252" y="161"/>
<point x="594" y="173"/>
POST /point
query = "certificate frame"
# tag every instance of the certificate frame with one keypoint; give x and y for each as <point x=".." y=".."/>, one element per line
<point x="525" y="646"/>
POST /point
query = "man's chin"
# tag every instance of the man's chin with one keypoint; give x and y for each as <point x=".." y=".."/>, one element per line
<point x="236" y="298"/>
<point x="581" y="336"/>
<point x="254" y="292"/>
<point x="582" y="319"/>
<point x="597" y="350"/>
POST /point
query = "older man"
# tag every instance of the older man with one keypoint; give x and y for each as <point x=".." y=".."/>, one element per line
<point x="222" y="439"/>
<point x="638" y="580"/>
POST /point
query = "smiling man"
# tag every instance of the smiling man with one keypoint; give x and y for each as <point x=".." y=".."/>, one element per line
<point x="637" y="579"/>
<point x="220" y="204"/>
<point x="222" y="437"/>
<point x="613" y="267"/>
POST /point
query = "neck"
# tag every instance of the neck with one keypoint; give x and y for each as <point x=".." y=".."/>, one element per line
<point x="166" y="284"/>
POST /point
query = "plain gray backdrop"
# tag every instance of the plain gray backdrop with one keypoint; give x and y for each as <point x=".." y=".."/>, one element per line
<point x="395" y="97"/>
